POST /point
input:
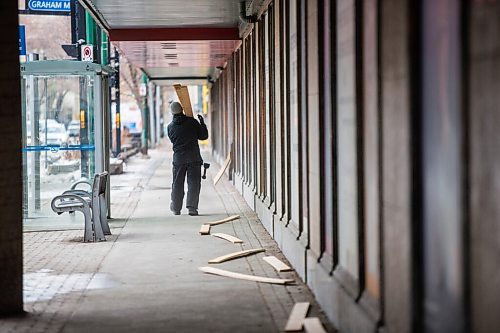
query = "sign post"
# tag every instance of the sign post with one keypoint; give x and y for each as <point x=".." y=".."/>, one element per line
<point x="87" y="52"/>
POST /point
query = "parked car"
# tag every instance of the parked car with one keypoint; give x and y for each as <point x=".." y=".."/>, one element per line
<point x="74" y="128"/>
<point x="56" y="135"/>
<point x="49" y="122"/>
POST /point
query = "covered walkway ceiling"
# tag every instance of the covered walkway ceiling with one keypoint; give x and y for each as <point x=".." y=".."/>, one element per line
<point x="172" y="40"/>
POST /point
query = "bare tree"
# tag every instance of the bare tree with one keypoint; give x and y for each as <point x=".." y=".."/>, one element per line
<point x="45" y="34"/>
<point x="132" y="77"/>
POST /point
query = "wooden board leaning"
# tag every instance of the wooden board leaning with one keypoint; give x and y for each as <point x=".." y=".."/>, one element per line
<point x="219" y="174"/>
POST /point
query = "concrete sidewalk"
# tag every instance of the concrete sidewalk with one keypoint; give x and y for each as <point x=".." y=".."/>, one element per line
<point x="146" y="277"/>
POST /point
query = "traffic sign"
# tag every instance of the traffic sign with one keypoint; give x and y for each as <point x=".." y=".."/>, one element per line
<point x="50" y="5"/>
<point x="87" y="52"/>
<point x="22" y="40"/>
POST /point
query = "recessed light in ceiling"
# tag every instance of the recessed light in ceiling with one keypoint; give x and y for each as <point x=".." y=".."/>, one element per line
<point x="168" y="46"/>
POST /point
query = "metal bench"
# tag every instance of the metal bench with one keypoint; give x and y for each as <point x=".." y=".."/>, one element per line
<point x="94" y="195"/>
<point x="92" y="204"/>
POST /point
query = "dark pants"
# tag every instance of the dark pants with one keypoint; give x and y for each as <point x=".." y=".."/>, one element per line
<point x="179" y="171"/>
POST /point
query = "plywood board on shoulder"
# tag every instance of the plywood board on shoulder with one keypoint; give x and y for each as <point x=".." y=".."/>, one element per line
<point x="227" y="237"/>
<point x="234" y="255"/>
<point x="313" y="325"/>
<point x="297" y="316"/>
<point x="219" y="174"/>
<point x="205" y="229"/>
<point x="183" y="94"/>
<point x="227" y="219"/>
<point x="234" y="275"/>
<point x="278" y="265"/>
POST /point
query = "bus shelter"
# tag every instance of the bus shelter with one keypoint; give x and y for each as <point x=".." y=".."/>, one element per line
<point x="66" y="126"/>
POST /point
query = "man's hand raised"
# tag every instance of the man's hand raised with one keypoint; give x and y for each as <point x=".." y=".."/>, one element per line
<point x="200" y="118"/>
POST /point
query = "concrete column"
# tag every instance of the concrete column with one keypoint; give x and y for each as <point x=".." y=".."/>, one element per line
<point x="11" y="256"/>
<point x="396" y="164"/>
<point x="484" y="165"/>
<point x="278" y="113"/>
<point x="313" y="123"/>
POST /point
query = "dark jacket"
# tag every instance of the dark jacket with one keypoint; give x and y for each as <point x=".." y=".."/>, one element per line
<point x="184" y="132"/>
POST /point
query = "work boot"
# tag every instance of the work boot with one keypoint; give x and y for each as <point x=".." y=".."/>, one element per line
<point x="193" y="212"/>
<point x="176" y="212"/>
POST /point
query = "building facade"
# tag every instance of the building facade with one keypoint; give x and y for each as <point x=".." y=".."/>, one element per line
<point x="363" y="133"/>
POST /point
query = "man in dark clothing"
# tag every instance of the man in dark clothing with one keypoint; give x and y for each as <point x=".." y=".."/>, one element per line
<point x="184" y="132"/>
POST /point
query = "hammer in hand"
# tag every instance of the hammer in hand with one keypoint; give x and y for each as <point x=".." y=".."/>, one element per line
<point x="205" y="167"/>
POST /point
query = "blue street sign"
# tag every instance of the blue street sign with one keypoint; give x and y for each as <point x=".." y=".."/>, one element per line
<point x="50" y="5"/>
<point x="22" y="40"/>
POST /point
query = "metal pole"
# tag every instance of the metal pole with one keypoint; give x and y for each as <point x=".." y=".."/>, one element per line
<point x="98" y="44"/>
<point x="79" y="33"/>
<point x="158" y="112"/>
<point x="151" y="109"/>
<point x="25" y="129"/>
<point x="104" y="48"/>
<point x="200" y="98"/>
<point x="32" y="95"/>
<point x="98" y="125"/>
<point x="46" y="115"/>
<point x="145" y="120"/>
<point x="117" y="104"/>
<point x="89" y="28"/>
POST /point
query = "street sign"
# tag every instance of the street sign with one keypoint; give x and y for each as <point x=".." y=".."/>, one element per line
<point x="50" y="5"/>
<point x="22" y="40"/>
<point x="87" y="52"/>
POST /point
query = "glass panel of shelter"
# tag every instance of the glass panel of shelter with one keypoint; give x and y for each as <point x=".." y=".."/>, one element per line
<point x="59" y="137"/>
<point x="58" y="140"/>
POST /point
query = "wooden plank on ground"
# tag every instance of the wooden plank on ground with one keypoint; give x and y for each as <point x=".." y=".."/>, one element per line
<point x="278" y="265"/>
<point x="296" y="320"/>
<point x="227" y="219"/>
<point x="227" y="237"/>
<point x="219" y="174"/>
<point x="183" y="94"/>
<point x="234" y="255"/>
<point x="205" y="229"/>
<point x="313" y="325"/>
<point x="234" y="275"/>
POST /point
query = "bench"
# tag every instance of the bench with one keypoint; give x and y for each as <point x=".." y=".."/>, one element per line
<point x="92" y="204"/>
<point x="96" y="194"/>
